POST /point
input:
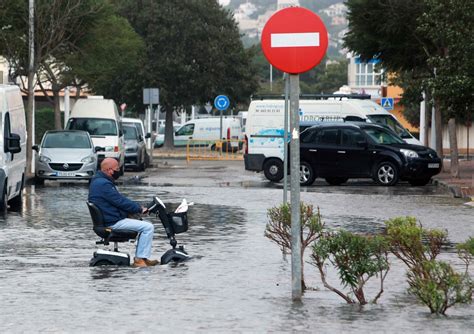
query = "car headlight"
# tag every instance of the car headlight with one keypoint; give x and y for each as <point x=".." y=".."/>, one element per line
<point x="132" y="148"/>
<point x="409" y="153"/>
<point x="89" y="159"/>
<point x="44" y="159"/>
<point x="109" y="149"/>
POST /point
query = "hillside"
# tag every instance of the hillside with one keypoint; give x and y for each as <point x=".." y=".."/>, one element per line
<point x="252" y="15"/>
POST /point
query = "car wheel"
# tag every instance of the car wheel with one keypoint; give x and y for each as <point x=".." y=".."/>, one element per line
<point x="273" y="169"/>
<point x="17" y="201"/>
<point x="307" y="175"/>
<point x="419" y="182"/>
<point x="335" y="181"/>
<point x="386" y="174"/>
<point x="4" y="199"/>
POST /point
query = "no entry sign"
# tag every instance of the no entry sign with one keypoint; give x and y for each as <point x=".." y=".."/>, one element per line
<point x="294" y="40"/>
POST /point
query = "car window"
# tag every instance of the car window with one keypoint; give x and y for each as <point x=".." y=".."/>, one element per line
<point x="326" y="137"/>
<point x="136" y="125"/>
<point x="350" y="137"/>
<point x="95" y="126"/>
<point x="392" y="123"/>
<point x="186" y="130"/>
<point x="130" y="132"/>
<point x="307" y="136"/>
<point x="382" y="136"/>
<point x="66" y="140"/>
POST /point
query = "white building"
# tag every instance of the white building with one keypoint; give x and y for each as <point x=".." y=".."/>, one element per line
<point x="364" y="77"/>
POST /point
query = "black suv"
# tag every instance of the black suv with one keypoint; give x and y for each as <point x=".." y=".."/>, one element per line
<point x="339" y="151"/>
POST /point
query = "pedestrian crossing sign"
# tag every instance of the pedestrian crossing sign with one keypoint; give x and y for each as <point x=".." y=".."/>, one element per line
<point x="387" y="103"/>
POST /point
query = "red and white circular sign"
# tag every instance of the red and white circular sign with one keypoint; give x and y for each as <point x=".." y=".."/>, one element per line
<point x="294" y="40"/>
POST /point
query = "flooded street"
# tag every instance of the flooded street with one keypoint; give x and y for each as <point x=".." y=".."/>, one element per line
<point x="237" y="281"/>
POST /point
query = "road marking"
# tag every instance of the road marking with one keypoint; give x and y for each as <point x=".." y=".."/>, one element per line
<point x="289" y="40"/>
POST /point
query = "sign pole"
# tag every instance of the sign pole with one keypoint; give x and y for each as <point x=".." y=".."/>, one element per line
<point x="285" y="144"/>
<point x="296" y="275"/>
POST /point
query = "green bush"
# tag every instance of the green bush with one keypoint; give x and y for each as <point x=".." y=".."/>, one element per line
<point x="357" y="259"/>
<point x="44" y="121"/>
<point x="438" y="286"/>
<point x="278" y="228"/>
<point x="434" y="283"/>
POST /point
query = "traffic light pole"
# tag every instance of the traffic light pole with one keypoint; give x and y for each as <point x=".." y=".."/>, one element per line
<point x="296" y="275"/>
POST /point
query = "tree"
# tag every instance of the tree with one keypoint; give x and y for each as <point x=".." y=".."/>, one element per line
<point x="194" y="53"/>
<point x="59" y="25"/>
<point x="435" y="54"/>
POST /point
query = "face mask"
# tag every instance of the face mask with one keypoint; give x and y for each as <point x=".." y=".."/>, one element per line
<point x="116" y="174"/>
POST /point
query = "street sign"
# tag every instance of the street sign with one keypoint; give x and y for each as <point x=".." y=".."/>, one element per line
<point x="151" y="96"/>
<point x="294" y="40"/>
<point x="221" y="102"/>
<point x="387" y="103"/>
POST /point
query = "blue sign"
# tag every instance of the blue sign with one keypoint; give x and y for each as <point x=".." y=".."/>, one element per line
<point x="387" y="103"/>
<point x="221" y="102"/>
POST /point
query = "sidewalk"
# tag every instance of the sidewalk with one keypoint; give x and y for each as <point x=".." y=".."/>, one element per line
<point x="462" y="187"/>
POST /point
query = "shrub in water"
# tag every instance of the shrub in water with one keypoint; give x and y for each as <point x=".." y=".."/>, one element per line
<point x="278" y="228"/>
<point x="434" y="283"/>
<point x="357" y="259"/>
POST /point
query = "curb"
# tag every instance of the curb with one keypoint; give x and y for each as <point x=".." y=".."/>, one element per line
<point x="456" y="191"/>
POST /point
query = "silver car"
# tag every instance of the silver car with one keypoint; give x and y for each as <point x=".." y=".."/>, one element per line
<point x="65" y="155"/>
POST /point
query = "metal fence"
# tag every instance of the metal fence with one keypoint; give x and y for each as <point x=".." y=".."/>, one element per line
<point x="231" y="149"/>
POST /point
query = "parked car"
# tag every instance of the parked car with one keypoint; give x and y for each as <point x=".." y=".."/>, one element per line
<point x="65" y="154"/>
<point x="160" y="137"/>
<point x="141" y="131"/>
<point x="135" y="148"/>
<point x="339" y="151"/>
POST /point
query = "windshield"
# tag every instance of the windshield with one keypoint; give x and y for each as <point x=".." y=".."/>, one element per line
<point x="382" y="136"/>
<point x="130" y="132"/>
<point x="95" y="126"/>
<point x="66" y="140"/>
<point x="136" y="125"/>
<point x="392" y="123"/>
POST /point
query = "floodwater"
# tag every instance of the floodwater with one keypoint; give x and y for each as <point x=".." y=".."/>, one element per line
<point x="237" y="281"/>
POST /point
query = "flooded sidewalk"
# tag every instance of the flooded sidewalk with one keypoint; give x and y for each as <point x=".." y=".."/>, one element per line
<point x="237" y="281"/>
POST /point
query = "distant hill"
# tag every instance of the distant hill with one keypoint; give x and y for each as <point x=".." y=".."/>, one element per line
<point x="252" y="15"/>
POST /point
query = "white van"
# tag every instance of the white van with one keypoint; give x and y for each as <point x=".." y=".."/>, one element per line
<point x="265" y="122"/>
<point x="209" y="130"/>
<point x="13" y="150"/>
<point x="100" y="118"/>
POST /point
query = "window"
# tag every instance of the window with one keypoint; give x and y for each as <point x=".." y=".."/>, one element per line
<point x="6" y="132"/>
<point x="66" y="140"/>
<point x="186" y="130"/>
<point x="350" y="137"/>
<point x="95" y="126"/>
<point x="366" y="74"/>
<point x="382" y="136"/>
<point x="326" y="137"/>
<point x="130" y="132"/>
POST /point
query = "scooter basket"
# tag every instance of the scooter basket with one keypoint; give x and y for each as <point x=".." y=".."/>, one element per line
<point x="178" y="222"/>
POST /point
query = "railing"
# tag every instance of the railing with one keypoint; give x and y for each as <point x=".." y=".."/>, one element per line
<point x="231" y="149"/>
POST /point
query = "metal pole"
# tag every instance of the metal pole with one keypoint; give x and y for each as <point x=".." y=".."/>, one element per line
<point x="271" y="78"/>
<point x="433" y="129"/>
<point x="423" y="119"/>
<point x="296" y="274"/>
<point x="31" y="76"/>
<point x="148" y="120"/>
<point x="66" y="105"/>
<point x="285" y="143"/>
<point x="220" y="138"/>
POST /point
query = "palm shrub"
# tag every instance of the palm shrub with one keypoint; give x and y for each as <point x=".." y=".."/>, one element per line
<point x="278" y="229"/>
<point x="433" y="282"/>
<point x="357" y="259"/>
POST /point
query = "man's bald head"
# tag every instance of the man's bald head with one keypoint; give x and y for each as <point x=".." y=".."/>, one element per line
<point x="108" y="164"/>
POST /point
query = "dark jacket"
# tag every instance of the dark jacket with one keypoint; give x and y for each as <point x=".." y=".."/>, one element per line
<point x="113" y="205"/>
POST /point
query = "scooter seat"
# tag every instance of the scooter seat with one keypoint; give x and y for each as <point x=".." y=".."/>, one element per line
<point x="115" y="235"/>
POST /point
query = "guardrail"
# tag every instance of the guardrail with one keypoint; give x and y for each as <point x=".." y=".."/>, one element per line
<point x="231" y="149"/>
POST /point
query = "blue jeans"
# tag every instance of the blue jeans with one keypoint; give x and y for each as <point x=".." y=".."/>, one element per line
<point x="145" y="237"/>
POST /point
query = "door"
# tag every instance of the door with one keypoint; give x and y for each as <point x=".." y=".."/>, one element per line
<point x="318" y="147"/>
<point x="183" y="134"/>
<point x="353" y="154"/>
